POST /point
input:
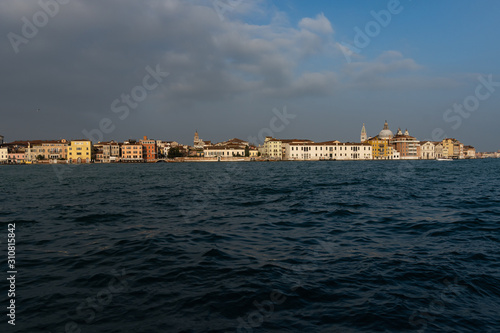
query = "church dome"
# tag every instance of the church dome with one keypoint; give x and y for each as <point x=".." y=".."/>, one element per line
<point x="386" y="133"/>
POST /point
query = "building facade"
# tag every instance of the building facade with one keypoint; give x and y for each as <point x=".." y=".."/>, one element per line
<point x="4" y="155"/>
<point x="330" y="150"/>
<point x="381" y="148"/>
<point x="107" y="152"/>
<point x="132" y="152"/>
<point x="224" y="152"/>
<point x="80" y="151"/>
<point x="469" y="152"/>
<point x="452" y="148"/>
<point x="427" y="150"/>
<point x="407" y="145"/>
<point x="148" y="149"/>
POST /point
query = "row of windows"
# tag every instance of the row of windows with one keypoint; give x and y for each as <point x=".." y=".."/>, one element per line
<point x="326" y="148"/>
<point x="216" y="153"/>
<point x="307" y="156"/>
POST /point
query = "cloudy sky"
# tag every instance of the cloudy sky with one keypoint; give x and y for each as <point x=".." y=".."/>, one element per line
<point x="122" y="69"/>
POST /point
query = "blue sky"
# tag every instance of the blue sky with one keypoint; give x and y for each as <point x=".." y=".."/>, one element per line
<point x="228" y="71"/>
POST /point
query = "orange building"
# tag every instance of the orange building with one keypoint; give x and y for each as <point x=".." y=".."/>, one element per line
<point x="148" y="149"/>
<point x="132" y="152"/>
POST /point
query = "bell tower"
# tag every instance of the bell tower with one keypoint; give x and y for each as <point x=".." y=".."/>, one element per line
<point x="364" y="137"/>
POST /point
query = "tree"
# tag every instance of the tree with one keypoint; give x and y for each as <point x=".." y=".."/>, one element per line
<point x="174" y="152"/>
<point x="247" y="151"/>
<point x="40" y="157"/>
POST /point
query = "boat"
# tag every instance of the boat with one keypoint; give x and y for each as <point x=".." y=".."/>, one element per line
<point x="444" y="159"/>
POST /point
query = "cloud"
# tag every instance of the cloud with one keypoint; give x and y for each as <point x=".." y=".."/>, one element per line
<point x="319" y="24"/>
<point x="92" y="52"/>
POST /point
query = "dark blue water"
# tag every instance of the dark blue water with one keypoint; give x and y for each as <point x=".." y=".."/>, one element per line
<point x="254" y="247"/>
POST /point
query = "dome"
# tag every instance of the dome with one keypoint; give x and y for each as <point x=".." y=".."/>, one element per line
<point x="386" y="133"/>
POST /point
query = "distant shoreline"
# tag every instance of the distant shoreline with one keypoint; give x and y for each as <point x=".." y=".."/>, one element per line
<point x="235" y="161"/>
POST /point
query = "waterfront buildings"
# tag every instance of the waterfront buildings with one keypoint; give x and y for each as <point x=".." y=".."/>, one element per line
<point x="438" y="149"/>
<point x="384" y="146"/>
<point x="224" y="152"/>
<point x="427" y="150"/>
<point x="4" y="155"/>
<point x="253" y="152"/>
<point x="275" y="148"/>
<point x="107" y="152"/>
<point x="39" y="149"/>
<point x="132" y="152"/>
<point x="330" y="150"/>
<point x="148" y="149"/>
<point x="54" y="150"/>
<point x="17" y="156"/>
<point x="80" y="151"/>
<point x="452" y="148"/>
<point x="469" y="152"/>
<point x="407" y="145"/>
<point x="381" y="148"/>
<point x="272" y="148"/>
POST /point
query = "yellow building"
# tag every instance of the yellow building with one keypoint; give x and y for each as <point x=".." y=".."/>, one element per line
<point x="273" y="148"/>
<point x="452" y="148"/>
<point x="380" y="148"/>
<point x="253" y="152"/>
<point x="80" y="151"/>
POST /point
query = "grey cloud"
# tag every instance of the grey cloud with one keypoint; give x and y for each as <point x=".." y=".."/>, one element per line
<point x="93" y="51"/>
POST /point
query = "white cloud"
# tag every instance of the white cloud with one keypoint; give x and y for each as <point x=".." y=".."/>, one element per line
<point x="319" y="24"/>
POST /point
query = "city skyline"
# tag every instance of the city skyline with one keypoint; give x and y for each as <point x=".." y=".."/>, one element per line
<point x="225" y="70"/>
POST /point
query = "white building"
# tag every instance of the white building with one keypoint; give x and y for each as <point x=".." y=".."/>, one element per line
<point x="4" y="154"/>
<point x="438" y="149"/>
<point x="330" y="150"/>
<point x="427" y="150"/>
<point x="395" y="154"/>
<point x="469" y="152"/>
<point x="275" y="148"/>
<point x="224" y="152"/>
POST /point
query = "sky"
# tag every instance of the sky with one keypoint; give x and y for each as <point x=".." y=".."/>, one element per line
<point x="124" y="69"/>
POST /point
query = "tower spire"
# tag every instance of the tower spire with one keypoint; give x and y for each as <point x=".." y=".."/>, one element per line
<point x="364" y="137"/>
